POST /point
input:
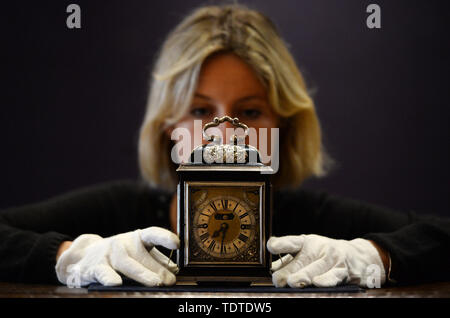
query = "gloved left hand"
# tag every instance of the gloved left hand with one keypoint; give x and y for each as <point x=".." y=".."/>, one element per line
<point x="324" y="262"/>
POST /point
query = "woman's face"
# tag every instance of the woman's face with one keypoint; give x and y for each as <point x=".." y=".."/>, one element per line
<point x="228" y="86"/>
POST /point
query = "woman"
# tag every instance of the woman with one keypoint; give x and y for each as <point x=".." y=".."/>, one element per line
<point x="221" y="60"/>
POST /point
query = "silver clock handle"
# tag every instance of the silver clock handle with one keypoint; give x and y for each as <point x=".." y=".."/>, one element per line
<point x="217" y="121"/>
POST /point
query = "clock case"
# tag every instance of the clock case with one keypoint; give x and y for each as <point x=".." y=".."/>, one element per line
<point x="250" y="171"/>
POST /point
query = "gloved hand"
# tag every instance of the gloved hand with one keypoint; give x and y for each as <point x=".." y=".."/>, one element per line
<point x="95" y="259"/>
<point x="324" y="262"/>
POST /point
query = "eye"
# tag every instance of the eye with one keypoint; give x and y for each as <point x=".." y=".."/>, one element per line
<point x="199" y="111"/>
<point x="251" y="113"/>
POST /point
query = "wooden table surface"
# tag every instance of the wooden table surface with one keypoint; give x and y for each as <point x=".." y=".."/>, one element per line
<point x="10" y="290"/>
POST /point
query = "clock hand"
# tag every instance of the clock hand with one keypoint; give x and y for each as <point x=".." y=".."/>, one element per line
<point x="221" y="244"/>
<point x="216" y="233"/>
<point x="224" y="227"/>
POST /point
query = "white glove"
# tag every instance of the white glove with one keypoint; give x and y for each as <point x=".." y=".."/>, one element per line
<point x="92" y="258"/>
<point x="325" y="262"/>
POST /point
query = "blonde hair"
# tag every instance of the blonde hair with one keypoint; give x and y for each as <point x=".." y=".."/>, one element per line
<point x="253" y="37"/>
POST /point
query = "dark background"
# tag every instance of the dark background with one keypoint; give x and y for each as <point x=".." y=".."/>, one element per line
<point x="72" y="100"/>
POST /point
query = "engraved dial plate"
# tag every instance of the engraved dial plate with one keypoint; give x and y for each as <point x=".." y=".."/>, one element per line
<point x="224" y="223"/>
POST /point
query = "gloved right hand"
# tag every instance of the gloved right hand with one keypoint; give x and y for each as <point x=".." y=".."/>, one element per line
<point x="92" y="258"/>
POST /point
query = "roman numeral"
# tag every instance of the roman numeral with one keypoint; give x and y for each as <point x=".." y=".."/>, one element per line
<point x="225" y="204"/>
<point x="236" y="248"/>
<point x="204" y="236"/>
<point x="243" y="238"/>
<point x="243" y="215"/>
<point x="213" y="206"/>
<point x="211" y="245"/>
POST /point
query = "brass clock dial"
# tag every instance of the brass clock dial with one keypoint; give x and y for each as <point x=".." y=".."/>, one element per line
<point x="224" y="226"/>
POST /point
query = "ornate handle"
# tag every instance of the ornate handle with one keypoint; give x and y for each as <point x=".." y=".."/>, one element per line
<point x="217" y="121"/>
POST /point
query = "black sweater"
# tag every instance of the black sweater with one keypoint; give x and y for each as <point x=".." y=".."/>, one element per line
<point x="30" y="235"/>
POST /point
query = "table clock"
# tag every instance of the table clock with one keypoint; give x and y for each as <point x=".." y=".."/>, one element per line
<point x="224" y="211"/>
